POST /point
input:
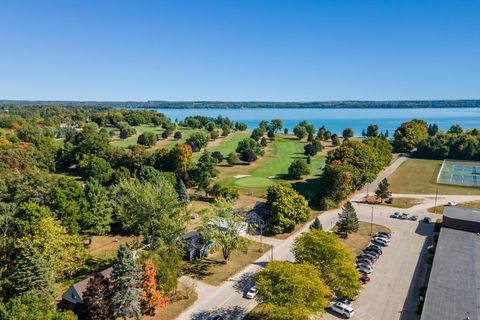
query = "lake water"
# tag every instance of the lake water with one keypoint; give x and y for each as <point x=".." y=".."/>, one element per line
<point x="336" y="119"/>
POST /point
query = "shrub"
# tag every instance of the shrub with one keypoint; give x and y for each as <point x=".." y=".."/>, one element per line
<point x="298" y="168"/>
<point x="233" y="158"/>
<point x="218" y="156"/>
<point x="248" y="155"/>
<point x="177" y="135"/>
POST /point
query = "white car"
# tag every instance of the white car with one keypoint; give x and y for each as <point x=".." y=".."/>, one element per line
<point x="364" y="268"/>
<point x="252" y="293"/>
<point x="342" y="309"/>
<point x="381" y="241"/>
<point x="452" y="203"/>
<point x="396" y="215"/>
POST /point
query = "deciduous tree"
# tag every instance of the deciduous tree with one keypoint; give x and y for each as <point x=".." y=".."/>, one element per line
<point x="298" y="168"/>
<point x="331" y="258"/>
<point x="292" y="287"/>
<point x="150" y="296"/>
<point x="224" y="228"/>
<point x="287" y="207"/>
<point x="97" y="299"/>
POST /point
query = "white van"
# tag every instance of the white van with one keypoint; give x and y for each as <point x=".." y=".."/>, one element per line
<point x="342" y="309"/>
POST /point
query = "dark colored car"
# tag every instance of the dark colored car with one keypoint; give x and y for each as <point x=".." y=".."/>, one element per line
<point x="373" y="250"/>
<point x="364" y="278"/>
<point x="427" y="220"/>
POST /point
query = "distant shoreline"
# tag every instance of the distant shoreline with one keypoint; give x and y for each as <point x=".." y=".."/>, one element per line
<point x="401" y="104"/>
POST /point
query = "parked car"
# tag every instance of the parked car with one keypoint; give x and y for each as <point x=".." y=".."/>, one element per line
<point x="413" y="217"/>
<point x="396" y="215"/>
<point x="365" y="260"/>
<point x="373" y="250"/>
<point x="375" y="246"/>
<point x="381" y="242"/>
<point x="381" y="236"/>
<point x="342" y="309"/>
<point x="345" y="301"/>
<point x="383" y="233"/>
<point x="372" y="255"/>
<point x="364" y="268"/>
<point x="427" y="220"/>
<point x="252" y="293"/>
<point x="404" y="216"/>
<point x="364" y="278"/>
<point x="451" y="203"/>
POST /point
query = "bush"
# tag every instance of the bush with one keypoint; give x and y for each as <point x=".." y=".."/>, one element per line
<point x="327" y="203"/>
<point x="233" y="158"/>
<point x="226" y="192"/>
<point x="147" y="139"/>
<point x="165" y="134"/>
<point x="251" y="145"/>
<point x="298" y="168"/>
<point x="177" y="135"/>
<point x="218" y="156"/>
<point x="248" y="156"/>
<point x="214" y="135"/>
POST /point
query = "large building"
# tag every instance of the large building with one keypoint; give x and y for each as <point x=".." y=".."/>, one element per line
<point x="454" y="286"/>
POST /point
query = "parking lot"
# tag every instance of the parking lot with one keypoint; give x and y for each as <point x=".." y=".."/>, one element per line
<point x="390" y="294"/>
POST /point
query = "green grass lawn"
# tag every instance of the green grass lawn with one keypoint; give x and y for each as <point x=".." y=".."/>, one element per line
<point x="226" y="145"/>
<point x="167" y="143"/>
<point x="404" y="202"/>
<point x="475" y="205"/>
<point x="418" y="176"/>
<point x="273" y="167"/>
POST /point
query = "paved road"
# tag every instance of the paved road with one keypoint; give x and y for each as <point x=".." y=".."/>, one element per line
<point x="385" y="297"/>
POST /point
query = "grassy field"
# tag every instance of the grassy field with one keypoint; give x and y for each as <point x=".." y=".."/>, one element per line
<point x="164" y="143"/>
<point x="213" y="270"/>
<point x="225" y="145"/>
<point x="418" y="176"/>
<point x="404" y="202"/>
<point x="271" y="168"/>
<point x="359" y="240"/>
<point x="469" y="205"/>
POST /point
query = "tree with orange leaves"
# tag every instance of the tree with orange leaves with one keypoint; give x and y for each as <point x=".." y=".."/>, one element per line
<point x="151" y="296"/>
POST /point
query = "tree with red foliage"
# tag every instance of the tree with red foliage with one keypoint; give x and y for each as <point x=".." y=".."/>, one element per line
<point x="151" y="296"/>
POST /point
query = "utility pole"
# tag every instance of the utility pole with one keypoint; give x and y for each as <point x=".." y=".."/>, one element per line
<point x="436" y="196"/>
<point x="371" y="223"/>
<point x="261" y="234"/>
<point x="272" y="253"/>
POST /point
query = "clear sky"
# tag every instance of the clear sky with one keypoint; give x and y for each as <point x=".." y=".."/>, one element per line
<point x="239" y="50"/>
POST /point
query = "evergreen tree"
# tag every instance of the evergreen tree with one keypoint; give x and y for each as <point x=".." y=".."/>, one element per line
<point x="151" y="297"/>
<point x="126" y="285"/>
<point x="382" y="191"/>
<point x="33" y="274"/>
<point x="182" y="191"/>
<point x="97" y="299"/>
<point x="316" y="224"/>
<point x="347" y="219"/>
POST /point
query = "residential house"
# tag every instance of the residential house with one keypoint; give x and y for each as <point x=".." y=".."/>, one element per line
<point x="72" y="298"/>
<point x="196" y="247"/>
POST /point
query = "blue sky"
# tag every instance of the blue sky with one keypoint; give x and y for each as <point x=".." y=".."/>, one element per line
<point x="239" y="50"/>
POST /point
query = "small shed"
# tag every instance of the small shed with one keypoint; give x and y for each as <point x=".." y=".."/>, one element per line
<point x="72" y="298"/>
<point x="196" y="247"/>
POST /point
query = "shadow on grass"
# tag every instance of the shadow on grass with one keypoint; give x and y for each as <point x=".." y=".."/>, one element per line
<point x="201" y="268"/>
<point x="90" y="267"/>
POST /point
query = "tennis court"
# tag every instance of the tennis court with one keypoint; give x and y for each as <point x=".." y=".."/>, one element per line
<point x="464" y="173"/>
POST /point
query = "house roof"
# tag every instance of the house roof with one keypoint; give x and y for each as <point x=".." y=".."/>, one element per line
<point x="81" y="286"/>
<point x="194" y="240"/>
<point x="454" y="285"/>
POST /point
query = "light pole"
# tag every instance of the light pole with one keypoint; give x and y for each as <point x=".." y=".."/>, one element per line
<point x="436" y="196"/>
<point x="261" y="234"/>
<point x="371" y="223"/>
<point x="272" y="252"/>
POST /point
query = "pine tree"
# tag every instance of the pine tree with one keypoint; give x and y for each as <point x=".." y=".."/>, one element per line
<point x="347" y="220"/>
<point x="316" y="224"/>
<point x="33" y="274"/>
<point x="182" y="191"/>
<point x="126" y="285"/>
<point x="382" y="191"/>
<point x="97" y="299"/>
<point x="151" y="297"/>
